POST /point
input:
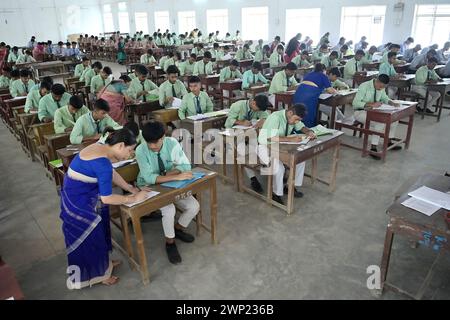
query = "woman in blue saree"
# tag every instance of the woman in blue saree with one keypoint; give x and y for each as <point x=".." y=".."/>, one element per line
<point x="309" y="90"/>
<point x="85" y="219"/>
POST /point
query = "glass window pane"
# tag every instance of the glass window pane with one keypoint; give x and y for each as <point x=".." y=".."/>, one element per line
<point x="124" y="22"/>
<point x="141" y="22"/>
<point x="162" y="21"/>
<point x="255" y="23"/>
<point x="305" y="21"/>
<point x="186" y="21"/>
<point x="217" y="20"/>
<point x="122" y="6"/>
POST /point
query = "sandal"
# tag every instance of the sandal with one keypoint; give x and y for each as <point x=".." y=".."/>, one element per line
<point x="111" y="281"/>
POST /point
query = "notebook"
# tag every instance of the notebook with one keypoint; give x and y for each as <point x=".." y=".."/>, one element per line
<point x="183" y="183"/>
<point x="151" y="194"/>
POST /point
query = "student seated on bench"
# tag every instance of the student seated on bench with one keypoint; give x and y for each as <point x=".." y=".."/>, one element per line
<point x="52" y="102"/>
<point x="35" y="96"/>
<point x="21" y="87"/>
<point x="161" y="159"/>
<point x="196" y="101"/>
<point x="66" y="117"/>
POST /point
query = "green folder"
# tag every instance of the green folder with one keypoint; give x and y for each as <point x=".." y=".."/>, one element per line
<point x="320" y="130"/>
<point x="56" y="163"/>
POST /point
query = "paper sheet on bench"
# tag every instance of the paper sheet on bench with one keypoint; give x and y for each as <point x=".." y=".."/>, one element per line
<point x="151" y="194"/>
<point x="421" y="206"/>
<point x="432" y="196"/>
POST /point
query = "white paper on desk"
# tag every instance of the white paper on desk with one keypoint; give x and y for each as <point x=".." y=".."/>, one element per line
<point x="227" y="57"/>
<point x="346" y="92"/>
<point x="34" y="112"/>
<point x="386" y="107"/>
<point x="151" y="194"/>
<point x="432" y="196"/>
<point x="122" y="163"/>
<point x="176" y="103"/>
<point x="421" y="206"/>
<point x="303" y="142"/>
<point x="197" y="117"/>
<point x="404" y="102"/>
<point x="372" y="73"/>
<point x="242" y="127"/>
<point x="325" y="96"/>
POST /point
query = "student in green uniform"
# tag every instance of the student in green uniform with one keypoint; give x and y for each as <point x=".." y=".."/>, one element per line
<point x="318" y="54"/>
<point x="142" y="88"/>
<point x="101" y="80"/>
<point x="5" y="78"/>
<point x="334" y="74"/>
<point x="35" y="96"/>
<point x="196" y="101"/>
<point x="90" y="126"/>
<point x="79" y="69"/>
<point x="368" y="56"/>
<point x="263" y="54"/>
<point x="231" y="72"/>
<point x="25" y="58"/>
<point x="198" y="50"/>
<point x="89" y="73"/>
<point x="371" y="95"/>
<point x="204" y="66"/>
<point x="331" y="60"/>
<point x="283" y="81"/>
<point x="66" y="117"/>
<point x="279" y="127"/>
<point x="187" y="67"/>
<point x="387" y="68"/>
<point x="175" y="60"/>
<point x="244" y="53"/>
<point x="253" y="77"/>
<point x="427" y="75"/>
<point x="215" y="52"/>
<point x="343" y="52"/>
<point x="21" y="87"/>
<point x="13" y="55"/>
<point x="171" y="88"/>
<point x="302" y="60"/>
<point x="392" y="48"/>
<point x="161" y="159"/>
<point x="52" y="102"/>
<point x="252" y="112"/>
<point x="148" y="59"/>
<point x="276" y="58"/>
<point x="353" y="66"/>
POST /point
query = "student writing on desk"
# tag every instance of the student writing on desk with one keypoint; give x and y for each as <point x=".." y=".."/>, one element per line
<point x="161" y="159"/>
<point x="35" y="96"/>
<point x="140" y="88"/>
<point x="427" y="75"/>
<point x="353" y="66"/>
<point x="66" y="117"/>
<point x="279" y="127"/>
<point x="334" y="74"/>
<point x="204" y="66"/>
<point x="253" y="77"/>
<point x="52" y="102"/>
<point x="283" y="81"/>
<point x="371" y="95"/>
<point x="21" y="87"/>
<point x="388" y="69"/>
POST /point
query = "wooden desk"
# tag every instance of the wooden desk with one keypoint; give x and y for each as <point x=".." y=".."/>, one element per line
<point x="211" y="80"/>
<point x="301" y="72"/>
<point x="335" y="102"/>
<point x="290" y="157"/>
<point x="431" y="232"/>
<point x="67" y="153"/>
<point x="165" y="197"/>
<point x="26" y="120"/>
<point x="361" y="77"/>
<point x="141" y="110"/>
<point x="442" y="87"/>
<point x="285" y="98"/>
<point x="206" y="124"/>
<point x="388" y="117"/>
<point x="52" y="69"/>
<point x="402" y="68"/>
<point x="8" y="105"/>
<point x="244" y="65"/>
<point x="253" y="91"/>
<point x="401" y="84"/>
<point x="55" y="142"/>
<point x="374" y="66"/>
<point x="166" y="115"/>
<point x="230" y="86"/>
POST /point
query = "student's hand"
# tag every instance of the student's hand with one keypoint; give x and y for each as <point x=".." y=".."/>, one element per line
<point x="169" y="99"/>
<point x="295" y="138"/>
<point x="68" y="129"/>
<point x="246" y="123"/>
<point x="143" y="93"/>
<point x="184" y="176"/>
<point x="259" y="124"/>
<point x="140" y="196"/>
<point x="376" y="104"/>
<point x="311" y="135"/>
<point x="46" y="120"/>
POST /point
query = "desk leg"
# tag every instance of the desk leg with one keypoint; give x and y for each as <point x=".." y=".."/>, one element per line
<point x="213" y="204"/>
<point x="366" y="137"/>
<point x="386" y="254"/>
<point x="240" y="177"/>
<point x="291" y="182"/>
<point x="334" y="167"/>
<point x="199" y="217"/>
<point x="441" y="105"/>
<point x="409" y="131"/>
<point x="387" y="130"/>
<point x="313" y="170"/>
<point x="141" y="249"/>
<point x="269" y="186"/>
<point x="333" y="116"/>
<point x="126" y="236"/>
<point x="425" y="103"/>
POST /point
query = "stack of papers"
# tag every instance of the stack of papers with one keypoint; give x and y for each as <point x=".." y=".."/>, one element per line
<point x="427" y="200"/>
<point x="151" y="194"/>
<point x="320" y="130"/>
<point x="325" y="96"/>
<point x="183" y="183"/>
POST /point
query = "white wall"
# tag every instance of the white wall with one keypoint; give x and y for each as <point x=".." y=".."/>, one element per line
<point x="55" y="19"/>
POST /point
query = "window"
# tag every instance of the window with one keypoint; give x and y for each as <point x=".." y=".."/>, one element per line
<point x="141" y="22"/>
<point x="255" y="23"/>
<point x="305" y="21"/>
<point x="363" y="21"/>
<point x="124" y="21"/>
<point x="162" y="21"/>
<point x="108" y="22"/>
<point x="186" y="21"/>
<point x="217" y="20"/>
<point x="431" y="24"/>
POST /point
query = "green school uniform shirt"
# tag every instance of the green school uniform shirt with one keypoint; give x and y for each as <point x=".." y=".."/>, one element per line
<point x="165" y="90"/>
<point x="366" y="94"/>
<point x="259" y="56"/>
<point x="351" y="67"/>
<point x="18" y="88"/>
<point x="25" y="59"/>
<point x="367" y="58"/>
<point x="249" y="78"/>
<point x="170" y="62"/>
<point x="79" y="69"/>
<point x="317" y="55"/>
<point x="423" y="74"/>
<point x="148" y="59"/>
<point x="275" y="59"/>
<point x="387" y="68"/>
<point x="186" y="68"/>
<point x="188" y="105"/>
<point x="299" y="62"/>
<point x="48" y="106"/>
<point x="97" y="83"/>
<point x="64" y="119"/>
<point x="136" y="86"/>
<point x="4" y="82"/>
<point x="87" y="76"/>
<point x="226" y="73"/>
<point x="199" y="53"/>
<point x="220" y="55"/>
<point x="201" y="68"/>
<point x="33" y="99"/>
<point x="162" y="60"/>
<point x="280" y="82"/>
<point x="275" y="126"/>
<point x="243" y="55"/>
<point x="240" y="110"/>
<point x="339" y="85"/>
<point x="326" y="60"/>
<point x="86" y="126"/>
<point x="171" y="154"/>
<point x="12" y="57"/>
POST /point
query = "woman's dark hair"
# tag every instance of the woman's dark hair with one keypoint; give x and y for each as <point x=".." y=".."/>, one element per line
<point x="118" y="136"/>
<point x="292" y="46"/>
<point x="319" y="67"/>
<point x="153" y="131"/>
<point x="133" y="127"/>
<point x="125" y="78"/>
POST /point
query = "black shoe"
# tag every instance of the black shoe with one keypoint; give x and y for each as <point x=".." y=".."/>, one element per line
<point x="428" y="111"/>
<point x="183" y="236"/>
<point x="447" y="174"/>
<point x="172" y="253"/>
<point x="256" y="186"/>
<point x="297" y="194"/>
<point x="277" y="199"/>
<point x="419" y="109"/>
<point x="374" y="149"/>
<point x="396" y="147"/>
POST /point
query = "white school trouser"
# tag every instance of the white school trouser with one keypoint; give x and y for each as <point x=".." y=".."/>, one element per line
<point x="349" y="82"/>
<point x="392" y="91"/>
<point x="433" y="96"/>
<point x="278" y="170"/>
<point x="327" y="110"/>
<point x="190" y="208"/>
<point x="361" y="115"/>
